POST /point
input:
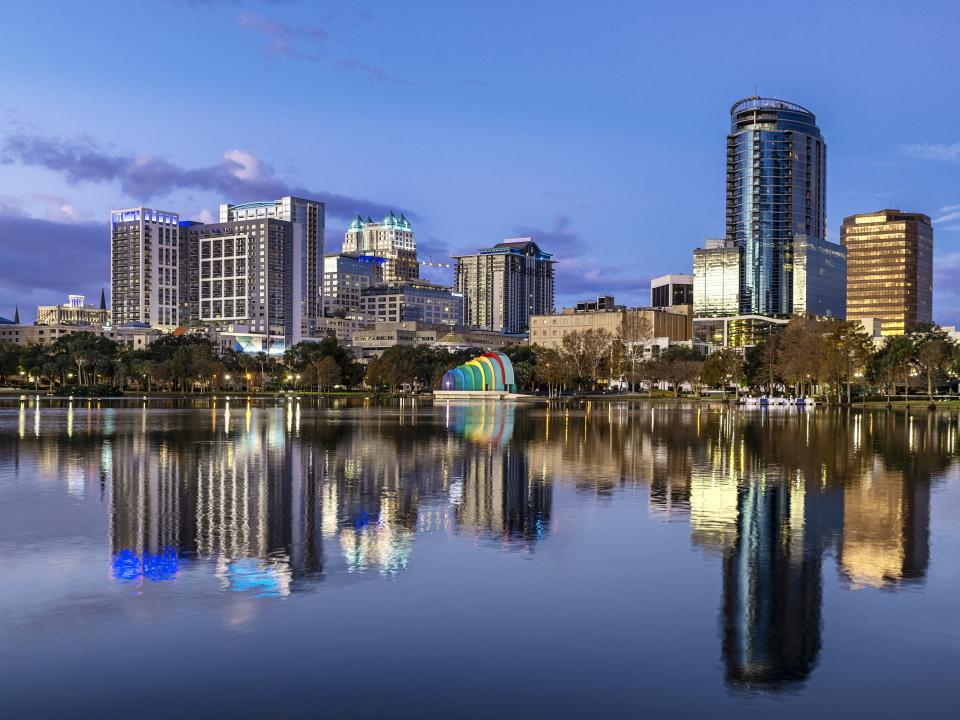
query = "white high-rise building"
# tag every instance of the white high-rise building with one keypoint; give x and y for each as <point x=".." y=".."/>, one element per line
<point x="308" y="219"/>
<point x="392" y="239"/>
<point x="144" y="267"/>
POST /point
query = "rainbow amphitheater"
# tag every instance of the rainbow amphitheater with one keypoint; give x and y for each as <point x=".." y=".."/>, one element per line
<point x="487" y="375"/>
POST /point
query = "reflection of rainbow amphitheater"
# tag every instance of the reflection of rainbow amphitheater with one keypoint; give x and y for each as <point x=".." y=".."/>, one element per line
<point x="490" y="373"/>
<point x="486" y="423"/>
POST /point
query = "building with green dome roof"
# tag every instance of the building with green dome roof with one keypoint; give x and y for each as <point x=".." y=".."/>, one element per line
<point x="391" y="239"/>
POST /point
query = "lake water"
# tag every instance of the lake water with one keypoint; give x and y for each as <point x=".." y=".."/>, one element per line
<point x="344" y="559"/>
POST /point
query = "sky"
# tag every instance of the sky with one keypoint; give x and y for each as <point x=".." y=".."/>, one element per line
<point x="597" y="128"/>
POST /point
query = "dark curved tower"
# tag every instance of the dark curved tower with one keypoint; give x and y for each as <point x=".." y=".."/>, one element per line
<point x="776" y="190"/>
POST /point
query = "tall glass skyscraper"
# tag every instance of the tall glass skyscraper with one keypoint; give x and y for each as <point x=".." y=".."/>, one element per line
<point x="776" y="190"/>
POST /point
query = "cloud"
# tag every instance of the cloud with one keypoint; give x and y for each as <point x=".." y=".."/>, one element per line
<point x="955" y="215"/>
<point x="932" y="151"/>
<point x="239" y="177"/>
<point x="578" y="274"/>
<point x="50" y="207"/>
<point x="45" y="259"/>
<point x="560" y="239"/>
<point x="308" y="42"/>
<point x="949" y="213"/>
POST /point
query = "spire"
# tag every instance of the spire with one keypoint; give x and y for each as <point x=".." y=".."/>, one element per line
<point x="16" y="315"/>
<point x="103" y="299"/>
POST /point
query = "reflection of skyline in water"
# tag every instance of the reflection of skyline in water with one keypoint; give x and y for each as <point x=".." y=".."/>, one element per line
<point x="275" y="499"/>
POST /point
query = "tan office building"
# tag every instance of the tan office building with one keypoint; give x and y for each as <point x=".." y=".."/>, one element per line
<point x="548" y="330"/>
<point x="889" y="268"/>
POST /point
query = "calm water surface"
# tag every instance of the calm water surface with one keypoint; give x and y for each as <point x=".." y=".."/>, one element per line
<point x="336" y="559"/>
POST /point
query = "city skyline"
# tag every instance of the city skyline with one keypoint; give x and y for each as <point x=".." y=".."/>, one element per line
<point x="499" y="148"/>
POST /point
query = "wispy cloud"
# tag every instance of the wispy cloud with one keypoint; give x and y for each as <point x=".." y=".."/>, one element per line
<point x="932" y="151"/>
<point x="239" y="176"/>
<point x="955" y="215"/>
<point x="309" y="42"/>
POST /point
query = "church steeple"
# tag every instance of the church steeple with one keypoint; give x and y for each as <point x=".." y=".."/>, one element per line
<point x="16" y="315"/>
<point x="103" y="299"/>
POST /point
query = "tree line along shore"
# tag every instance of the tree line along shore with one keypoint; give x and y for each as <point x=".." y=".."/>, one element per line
<point x="835" y="361"/>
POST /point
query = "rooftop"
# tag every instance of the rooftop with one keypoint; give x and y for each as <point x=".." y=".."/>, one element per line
<point x="756" y="102"/>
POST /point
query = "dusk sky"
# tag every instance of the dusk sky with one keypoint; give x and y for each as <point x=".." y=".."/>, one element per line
<point x="598" y="128"/>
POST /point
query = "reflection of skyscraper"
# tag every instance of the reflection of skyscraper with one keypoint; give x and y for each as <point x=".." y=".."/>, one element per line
<point x="248" y="500"/>
<point x="771" y="589"/>
<point x="886" y="529"/>
<point x="500" y="498"/>
<point x="714" y="498"/>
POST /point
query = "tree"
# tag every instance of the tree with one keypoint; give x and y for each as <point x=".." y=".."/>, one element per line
<point x="586" y="352"/>
<point x="306" y="357"/>
<point x="524" y="360"/>
<point x="551" y="369"/>
<point x="800" y="355"/>
<point x="328" y="373"/>
<point x="847" y="349"/>
<point x="650" y="372"/>
<point x="633" y="354"/>
<point x="892" y="363"/>
<point x="395" y="367"/>
<point x="635" y="328"/>
<point x="374" y="373"/>
<point x="769" y="361"/>
<point x="9" y="359"/>
<point x="933" y="352"/>
<point x="35" y="360"/>
<point x="720" y="368"/>
<point x="680" y="365"/>
<point x="576" y="354"/>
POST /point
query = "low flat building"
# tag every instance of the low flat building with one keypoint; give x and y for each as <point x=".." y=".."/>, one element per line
<point x="413" y="301"/>
<point x="74" y="312"/>
<point x="375" y="339"/>
<point x="630" y="324"/>
<point x="342" y="329"/>
<point x="737" y="331"/>
<point x="134" y="335"/>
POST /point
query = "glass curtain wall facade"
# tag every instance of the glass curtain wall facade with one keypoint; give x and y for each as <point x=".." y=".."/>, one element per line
<point x="890" y="268"/>
<point x="776" y="189"/>
<point x="716" y="279"/>
<point x="819" y="278"/>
